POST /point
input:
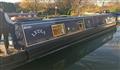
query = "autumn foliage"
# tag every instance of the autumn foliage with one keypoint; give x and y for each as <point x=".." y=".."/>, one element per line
<point x="75" y="7"/>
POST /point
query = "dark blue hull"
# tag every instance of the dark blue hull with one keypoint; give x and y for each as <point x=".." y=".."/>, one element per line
<point x="58" y="43"/>
<point x="32" y="53"/>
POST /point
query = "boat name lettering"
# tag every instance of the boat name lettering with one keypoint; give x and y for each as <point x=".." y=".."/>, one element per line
<point x="38" y="31"/>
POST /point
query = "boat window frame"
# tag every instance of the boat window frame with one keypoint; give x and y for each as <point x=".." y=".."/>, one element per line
<point x="60" y="32"/>
<point x="82" y="23"/>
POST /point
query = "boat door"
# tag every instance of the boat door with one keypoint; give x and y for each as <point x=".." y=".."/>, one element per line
<point x="81" y="25"/>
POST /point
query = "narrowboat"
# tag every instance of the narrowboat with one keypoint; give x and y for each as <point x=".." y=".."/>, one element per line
<point x="42" y="37"/>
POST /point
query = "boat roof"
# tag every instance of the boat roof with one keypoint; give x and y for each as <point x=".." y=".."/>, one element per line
<point x="55" y="20"/>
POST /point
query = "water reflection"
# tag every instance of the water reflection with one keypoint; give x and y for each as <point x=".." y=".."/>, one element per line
<point x="70" y="58"/>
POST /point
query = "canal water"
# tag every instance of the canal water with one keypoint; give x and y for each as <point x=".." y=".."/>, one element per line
<point x="99" y="53"/>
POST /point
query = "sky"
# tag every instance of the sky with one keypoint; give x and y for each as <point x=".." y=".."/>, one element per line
<point x="12" y="1"/>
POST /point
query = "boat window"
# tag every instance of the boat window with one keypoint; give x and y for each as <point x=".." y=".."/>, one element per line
<point x="118" y="18"/>
<point x="113" y="19"/>
<point x="81" y="26"/>
<point x="58" y="30"/>
<point x="110" y="20"/>
<point x="88" y="23"/>
<point x="71" y="26"/>
<point x="103" y="20"/>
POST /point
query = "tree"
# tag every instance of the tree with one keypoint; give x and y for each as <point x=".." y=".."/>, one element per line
<point x="79" y="5"/>
<point x="31" y="5"/>
<point x="64" y="6"/>
<point x="113" y="7"/>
